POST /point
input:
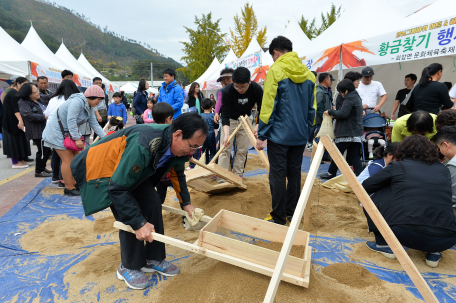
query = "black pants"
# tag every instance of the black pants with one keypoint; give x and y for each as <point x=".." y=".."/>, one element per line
<point x="285" y="163"/>
<point x="42" y="155"/>
<point x="162" y="189"/>
<point x="55" y="165"/>
<point x="353" y="158"/>
<point x="209" y="146"/>
<point x="417" y="240"/>
<point x="134" y="253"/>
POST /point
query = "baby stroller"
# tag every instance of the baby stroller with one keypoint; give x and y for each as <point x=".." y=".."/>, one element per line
<point x="370" y="121"/>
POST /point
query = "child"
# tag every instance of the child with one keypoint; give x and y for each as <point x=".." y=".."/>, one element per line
<point x="117" y="108"/>
<point x="383" y="157"/>
<point x="446" y="141"/>
<point x="147" y="117"/>
<point x="115" y="124"/>
<point x="370" y="140"/>
<point x="210" y="144"/>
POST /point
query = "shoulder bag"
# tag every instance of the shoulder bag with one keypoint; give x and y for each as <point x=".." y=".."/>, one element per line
<point x="68" y="142"/>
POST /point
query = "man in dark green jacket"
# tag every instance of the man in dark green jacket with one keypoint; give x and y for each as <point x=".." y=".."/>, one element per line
<point x="124" y="168"/>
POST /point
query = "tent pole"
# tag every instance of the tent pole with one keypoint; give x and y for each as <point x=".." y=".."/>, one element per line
<point x="30" y="72"/>
<point x="340" y="75"/>
<point x="151" y="75"/>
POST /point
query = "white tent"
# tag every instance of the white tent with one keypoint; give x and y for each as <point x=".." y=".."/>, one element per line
<point x="86" y="64"/>
<point x="129" y="88"/>
<point x="34" y="44"/>
<point x="15" y="59"/>
<point x="64" y="54"/>
<point x="252" y="48"/>
<point x="349" y="27"/>
<point x="214" y="65"/>
<point x="301" y="42"/>
<point x="211" y="82"/>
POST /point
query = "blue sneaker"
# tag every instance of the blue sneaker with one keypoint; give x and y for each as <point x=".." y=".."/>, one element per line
<point x="384" y="250"/>
<point x="135" y="279"/>
<point x="162" y="267"/>
<point x="432" y="259"/>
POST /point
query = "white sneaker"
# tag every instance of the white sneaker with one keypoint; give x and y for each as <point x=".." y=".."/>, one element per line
<point x="20" y="166"/>
<point x="371" y="156"/>
<point x="309" y="147"/>
<point x="189" y="168"/>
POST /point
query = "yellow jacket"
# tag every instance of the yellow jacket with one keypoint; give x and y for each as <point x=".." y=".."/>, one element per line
<point x="400" y="130"/>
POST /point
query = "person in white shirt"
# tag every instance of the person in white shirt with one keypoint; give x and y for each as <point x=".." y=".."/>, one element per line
<point x="370" y="90"/>
<point x="453" y="93"/>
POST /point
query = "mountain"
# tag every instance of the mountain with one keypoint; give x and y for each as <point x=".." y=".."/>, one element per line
<point x="116" y="55"/>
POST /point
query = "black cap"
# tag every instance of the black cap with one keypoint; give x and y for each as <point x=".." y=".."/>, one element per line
<point x="367" y="71"/>
<point x="331" y="77"/>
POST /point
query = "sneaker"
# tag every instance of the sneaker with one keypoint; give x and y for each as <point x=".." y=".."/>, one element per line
<point x="384" y="250"/>
<point x="61" y="184"/>
<point x="135" y="279"/>
<point x="269" y="218"/>
<point x="371" y="156"/>
<point x="309" y="147"/>
<point x="71" y="192"/>
<point x="28" y="160"/>
<point x="42" y="174"/>
<point x="289" y="218"/>
<point x="56" y="181"/>
<point x="189" y="168"/>
<point x="162" y="267"/>
<point x="327" y="176"/>
<point x="221" y="181"/>
<point x="432" y="259"/>
<point x="19" y="166"/>
<point x="48" y="171"/>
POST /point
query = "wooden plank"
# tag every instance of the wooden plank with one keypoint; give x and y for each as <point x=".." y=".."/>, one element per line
<point x="213" y="224"/>
<point x="215" y="255"/>
<point x="259" y="228"/>
<point x="250" y="252"/>
<point x="197" y="173"/>
<point x="221" y="148"/>
<point x="183" y="212"/>
<point x="104" y="129"/>
<point x="289" y="239"/>
<point x="207" y="188"/>
<point x="307" y="261"/>
<point x="308" y="210"/>
<point x="221" y="172"/>
<point x="379" y="221"/>
<point x="261" y="153"/>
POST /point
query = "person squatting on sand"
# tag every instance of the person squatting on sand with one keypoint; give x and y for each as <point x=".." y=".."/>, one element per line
<point x="129" y="165"/>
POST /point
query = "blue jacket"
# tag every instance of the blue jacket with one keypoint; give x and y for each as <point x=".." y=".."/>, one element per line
<point x="73" y="111"/>
<point x="118" y="110"/>
<point x="289" y="104"/>
<point x="173" y="94"/>
<point x="140" y="102"/>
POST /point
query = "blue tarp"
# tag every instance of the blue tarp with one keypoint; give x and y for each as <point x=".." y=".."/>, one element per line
<point x="27" y="275"/>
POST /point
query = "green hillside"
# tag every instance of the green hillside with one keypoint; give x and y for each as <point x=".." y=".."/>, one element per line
<point x="115" y="55"/>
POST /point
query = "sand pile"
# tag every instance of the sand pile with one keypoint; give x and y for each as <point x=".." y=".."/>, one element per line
<point x="204" y="279"/>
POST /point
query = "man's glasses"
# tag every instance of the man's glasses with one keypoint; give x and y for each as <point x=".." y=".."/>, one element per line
<point x="241" y="88"/>
<point x="193" y="148"/>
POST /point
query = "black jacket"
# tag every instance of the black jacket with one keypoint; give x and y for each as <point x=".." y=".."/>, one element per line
<point x="414" y="194"/>
<point x="191" y="100"/>
<point x="10" y="107"/>
<point x="349" y="117"/>
<point x="430" y="98"/>
<point x="33" y="117"/>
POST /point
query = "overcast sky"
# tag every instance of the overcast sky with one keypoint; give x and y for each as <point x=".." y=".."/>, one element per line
<point x="161" y="23"/>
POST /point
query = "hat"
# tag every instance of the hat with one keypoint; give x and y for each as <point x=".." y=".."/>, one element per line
<point x="13" y="78"/>
<point x="331" y="77"/>
<point x="224" y="75"/>
<point x="94" y="91"/>
<point x="367" y="71"/>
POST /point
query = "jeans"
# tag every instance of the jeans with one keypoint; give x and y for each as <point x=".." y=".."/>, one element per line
<point x="242" y="143"/>
<point x="209" y="146"/>
<point x="285" y="164"/>
<point x="42" y="155"/>
<point x="353" y="158"/>
<point x="133" y="252"/>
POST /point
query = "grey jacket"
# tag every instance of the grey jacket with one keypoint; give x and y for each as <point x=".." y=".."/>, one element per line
<point x="324" y="103"/>
<point x="75" y="110"/>
<point x="452" y="168"/>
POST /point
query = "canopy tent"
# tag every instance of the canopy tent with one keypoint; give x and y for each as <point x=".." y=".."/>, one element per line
<point x="324" y="51"/>
<point x="214" y="66"/>
<point x="252" y="48"/>
<point x="86" y="64"/>
<point x="16" y="60"/>
<point x="410" y="45"/>
<point x="129" y="88"/>
<point x="294" y="32"/>
<point x="64" y="54"/>
<point x="210" y="82"/>
<point x="34" y="44"/>
<point x="153" y="90"/>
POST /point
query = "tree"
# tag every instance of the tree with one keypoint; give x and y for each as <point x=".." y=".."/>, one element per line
<point x="206" y="42"/>
<point x="245" y="28"/>
<point x="329" y="19"/>
<point x="308" y="28"/>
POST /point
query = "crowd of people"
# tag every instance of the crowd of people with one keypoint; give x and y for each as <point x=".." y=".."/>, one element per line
<point x="130" y="168"/>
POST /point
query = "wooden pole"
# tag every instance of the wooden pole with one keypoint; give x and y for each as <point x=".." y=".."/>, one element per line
<point x="308" y="210"/>
<point x="291" y="233"/>
<point x="104" y="129"/>
<point x="379" y="221"/>
<point x="221" y="148"/>
<point x="248" y="129"/>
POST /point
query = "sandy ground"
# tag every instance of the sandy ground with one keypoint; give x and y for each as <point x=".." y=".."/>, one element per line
<point x="203" y="279"/>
